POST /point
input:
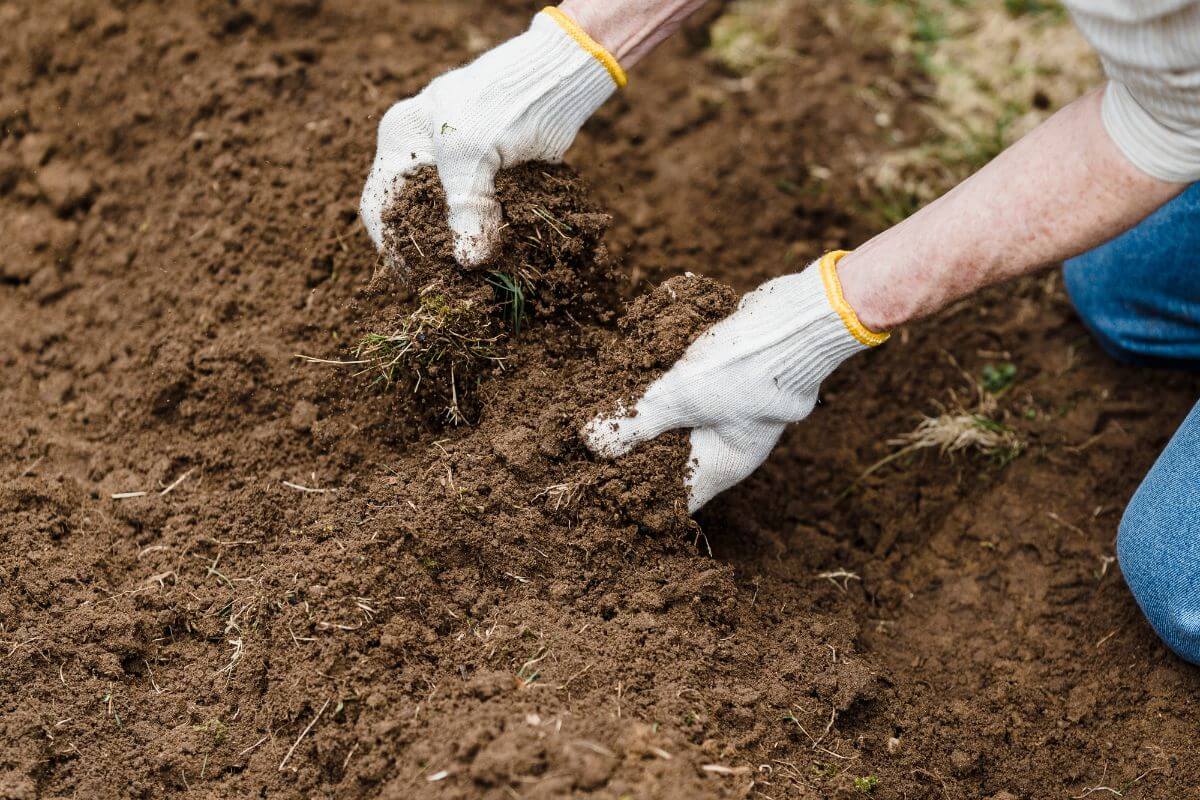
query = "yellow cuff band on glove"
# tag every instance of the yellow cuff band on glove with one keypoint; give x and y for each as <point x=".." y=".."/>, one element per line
<point x="588" y="43"/>
<point x="833" y="290"/>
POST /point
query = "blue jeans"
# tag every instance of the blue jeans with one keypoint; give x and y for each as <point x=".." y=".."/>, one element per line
<point x="1139" y="294"/>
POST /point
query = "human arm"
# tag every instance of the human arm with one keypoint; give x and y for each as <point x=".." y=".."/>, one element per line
<point x="522" y="101"/>
<point x="1091" y="171"/>
<point x="1059" y="191"/>
<point x="1062" y="189"/>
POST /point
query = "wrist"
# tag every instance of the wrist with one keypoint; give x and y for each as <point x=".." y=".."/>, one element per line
<point x="586" y="42"/>
<point x="614" y="32"/>
<point x="849" y="301"/>
<point x="875" y="309"/>
<point x="808" y="319"/>
<point x="629" y="30"/>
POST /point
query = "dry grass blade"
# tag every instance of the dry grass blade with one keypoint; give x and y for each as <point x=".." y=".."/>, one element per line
<point x="420" y="343"/>
<point x="560" y="227"/>
<point x="299" y="738"/>
<point x="953" y="432"/>
<point x="721" y="769"/>
<point x="564" y="495"/>
<point x="440" y="337"/>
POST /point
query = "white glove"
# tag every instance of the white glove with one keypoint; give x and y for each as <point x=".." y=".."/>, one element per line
<point x="745" y="378"/>
<point x="523" y="101"/>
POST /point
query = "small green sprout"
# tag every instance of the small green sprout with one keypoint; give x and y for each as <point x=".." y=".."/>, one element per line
<point x="527" y="675"/>
<point x="510" y="292"/>
<point x="867" y="784"/>
<point x="107" y="699"/>
<point x="929" y="26"/>
<point x="998" y="377"/>
<point x="1017" y="8"/>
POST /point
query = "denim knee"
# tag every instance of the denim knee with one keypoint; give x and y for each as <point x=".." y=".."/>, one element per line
<point x="1159" y="580"/>
<point x="1095" y="298"/>
<point x="1140" y="292"/>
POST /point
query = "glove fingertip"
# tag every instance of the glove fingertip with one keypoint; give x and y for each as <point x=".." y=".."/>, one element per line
<point x="722" y="458"/>
<point x="385" y="181"/>
<point x="370" y="209"/>
<point x="471" y="250"/>
<point x="697" y="500"/>
<point x="617" y="433"/>
<point x="607" y="437"/>
<point x="476" y="226"/>
<point x="701" y="486"/>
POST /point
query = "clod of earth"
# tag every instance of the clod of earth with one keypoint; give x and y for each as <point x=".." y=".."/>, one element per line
<point x="551" y="267"/>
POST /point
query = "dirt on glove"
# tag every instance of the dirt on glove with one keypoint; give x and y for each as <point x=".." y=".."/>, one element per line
<point x="227" y="570"/>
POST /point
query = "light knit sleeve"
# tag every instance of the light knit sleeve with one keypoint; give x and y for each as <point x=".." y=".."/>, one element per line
<point x="1151" y="52"/>
<point x="1161" y="150"/>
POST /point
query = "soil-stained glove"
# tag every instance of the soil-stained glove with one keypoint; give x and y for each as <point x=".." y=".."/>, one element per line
<point x="523" y="101"/>
<point x="745" y="378"/>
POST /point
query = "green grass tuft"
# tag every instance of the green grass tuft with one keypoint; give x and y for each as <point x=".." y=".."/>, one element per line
<point x="1018" y="8"/>
<point x="510" y="293"/>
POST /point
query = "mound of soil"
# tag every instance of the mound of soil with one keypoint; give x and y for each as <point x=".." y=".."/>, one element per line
<point x="461" y="605"/>
<point x="549" y="378"/>
<point x="226" y="571"/>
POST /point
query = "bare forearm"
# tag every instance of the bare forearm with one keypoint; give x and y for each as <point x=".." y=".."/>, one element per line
<point x="1062" y="189"/>
<point x="629" y="29"/>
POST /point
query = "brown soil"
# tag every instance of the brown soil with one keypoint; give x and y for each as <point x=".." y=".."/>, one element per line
<point x="551" y="266"/>
<point x="482" y="610"/>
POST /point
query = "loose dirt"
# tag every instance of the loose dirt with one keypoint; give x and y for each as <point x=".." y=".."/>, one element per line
<point x="226" y="570"/>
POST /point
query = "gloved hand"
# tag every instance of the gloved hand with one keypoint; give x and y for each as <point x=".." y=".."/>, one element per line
<point x="523" y="101"/>
<point x="745" y="378"/>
